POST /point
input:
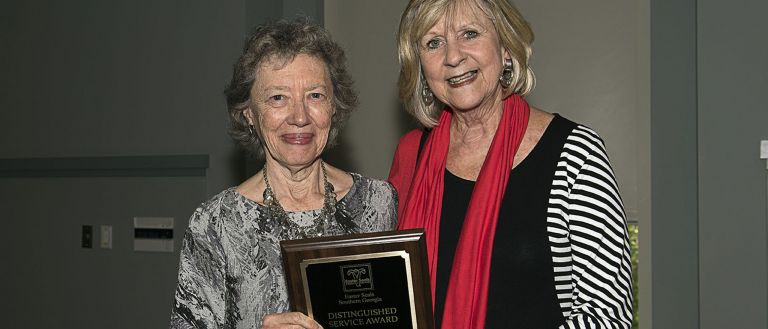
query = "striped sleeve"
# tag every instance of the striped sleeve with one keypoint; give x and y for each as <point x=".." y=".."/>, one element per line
<point x="587" y="231"/>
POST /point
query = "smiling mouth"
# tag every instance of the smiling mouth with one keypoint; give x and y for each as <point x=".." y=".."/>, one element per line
<point x="462" y="79"/>
<point x="297" y="139"/>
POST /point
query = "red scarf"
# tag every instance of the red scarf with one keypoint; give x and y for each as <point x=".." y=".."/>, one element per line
<point x="467" y="295"/>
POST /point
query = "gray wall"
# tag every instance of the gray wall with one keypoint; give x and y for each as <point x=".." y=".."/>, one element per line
<point x="732" y="119"/>
<point x="96" y="78"/>
<point x="369" y="139"/>
<point x="48" y="281"/>
<point x="709" y="185"/>
<point x="674" y="202"/>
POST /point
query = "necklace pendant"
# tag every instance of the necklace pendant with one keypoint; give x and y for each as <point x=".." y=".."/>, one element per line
<point x="268" y="200"/>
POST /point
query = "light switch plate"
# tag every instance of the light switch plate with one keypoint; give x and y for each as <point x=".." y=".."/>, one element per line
<point x="106" y="237"/>
<point x="763" y="149"/>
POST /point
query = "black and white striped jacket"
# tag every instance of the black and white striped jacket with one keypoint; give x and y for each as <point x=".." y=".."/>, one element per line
<point x="587" y="231"/>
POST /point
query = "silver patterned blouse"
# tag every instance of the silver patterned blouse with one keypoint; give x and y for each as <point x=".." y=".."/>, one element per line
<point x="230" y="272"/>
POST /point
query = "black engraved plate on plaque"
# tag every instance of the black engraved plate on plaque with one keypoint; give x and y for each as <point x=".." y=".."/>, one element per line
<point x="370" y="290"/>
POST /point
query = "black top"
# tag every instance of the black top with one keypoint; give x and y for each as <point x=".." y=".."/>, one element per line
<point x="522" y="285"/>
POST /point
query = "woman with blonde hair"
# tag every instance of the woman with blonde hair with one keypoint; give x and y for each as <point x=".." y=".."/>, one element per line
<point x="524" y="223"/>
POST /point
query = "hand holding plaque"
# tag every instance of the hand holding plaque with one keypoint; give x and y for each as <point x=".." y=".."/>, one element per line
<point x="371" y="280"/>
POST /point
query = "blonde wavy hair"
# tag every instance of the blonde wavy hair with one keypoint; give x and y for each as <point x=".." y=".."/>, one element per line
<point x="514" y="32"/>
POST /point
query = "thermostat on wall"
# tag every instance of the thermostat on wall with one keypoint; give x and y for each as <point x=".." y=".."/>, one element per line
<point x="153" y="234"/>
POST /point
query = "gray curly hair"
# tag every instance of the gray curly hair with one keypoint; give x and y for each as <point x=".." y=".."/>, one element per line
<point x="284" y="40"/>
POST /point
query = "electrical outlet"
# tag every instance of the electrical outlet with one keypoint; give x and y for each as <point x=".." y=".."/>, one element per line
<point x="86" y="238"/>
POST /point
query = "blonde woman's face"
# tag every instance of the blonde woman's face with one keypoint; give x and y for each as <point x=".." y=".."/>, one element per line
<point x="462" y="58"/>
<point x="294" y="105"/>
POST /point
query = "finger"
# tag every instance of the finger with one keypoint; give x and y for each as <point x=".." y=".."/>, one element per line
<point x="289" y="320"/>
<point x="298" y="318"/>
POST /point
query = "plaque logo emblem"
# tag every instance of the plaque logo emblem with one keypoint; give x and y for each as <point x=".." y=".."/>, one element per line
<point x="357" y="277"/>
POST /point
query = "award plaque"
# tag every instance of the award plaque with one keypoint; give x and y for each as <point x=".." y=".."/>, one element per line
<point x="369" y="280"/>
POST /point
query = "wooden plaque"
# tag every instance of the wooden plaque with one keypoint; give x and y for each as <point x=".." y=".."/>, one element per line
<point x="370" y="280"/>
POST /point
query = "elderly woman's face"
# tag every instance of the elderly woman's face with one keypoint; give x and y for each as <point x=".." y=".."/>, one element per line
<point x="462" y="59"/>
<point x="294" y="105"/>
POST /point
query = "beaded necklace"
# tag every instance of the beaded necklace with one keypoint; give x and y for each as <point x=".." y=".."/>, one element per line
<point x="320" y="224"/>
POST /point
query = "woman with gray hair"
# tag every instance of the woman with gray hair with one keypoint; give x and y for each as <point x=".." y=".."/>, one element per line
<point x="290" y="94"/>
<point x="524" y="223"/>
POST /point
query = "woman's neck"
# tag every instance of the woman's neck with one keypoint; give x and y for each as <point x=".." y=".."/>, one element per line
<point x="472" y="133"/>
<point x="474" y="126"/>
<point x="297" y="188"/>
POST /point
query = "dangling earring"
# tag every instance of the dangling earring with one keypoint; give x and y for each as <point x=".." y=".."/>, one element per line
<point x="426" y="95"/>
<point x="506" y="74"/>
<point x="250" y="129"/>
